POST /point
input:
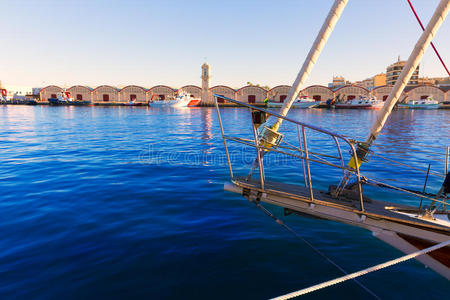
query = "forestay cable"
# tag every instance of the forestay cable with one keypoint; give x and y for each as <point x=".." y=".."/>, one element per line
<point x="362" y="272"/>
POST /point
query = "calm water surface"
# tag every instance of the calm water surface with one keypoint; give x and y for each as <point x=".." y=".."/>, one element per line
<point x="122" y="202"/>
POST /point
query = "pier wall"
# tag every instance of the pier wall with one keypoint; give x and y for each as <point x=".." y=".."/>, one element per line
<point x="106" y="94"/>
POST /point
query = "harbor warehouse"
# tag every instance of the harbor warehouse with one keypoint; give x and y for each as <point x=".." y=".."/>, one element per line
<point x="50" y="92"/>
<point x="105" y="94"/>
<point x="193" y="90"/>
<point x="318" y="92"/>
<point x="278" y="93"/>
<point x="161" y="92"/>
<point x="222" y="90"/>
<point x="382" y="92"/>
<point x="350" y="92"/>
<point x="425" y="91"/>
<point x="80" y="92"/>
<point x="132" y="93"/>
<point x="251" y="94"/>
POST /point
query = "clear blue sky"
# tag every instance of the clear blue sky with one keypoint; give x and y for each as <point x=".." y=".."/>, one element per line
<point x="165" y="42"/>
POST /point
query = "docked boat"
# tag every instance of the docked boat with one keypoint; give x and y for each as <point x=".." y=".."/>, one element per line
<point x="182" y="99"/>
<point x="422" y="231"/>
<point x="428" y="103"/>
<point x="133" y="103"/>
<point x="362" y="102"/>
<point x="301" y="102"/>
<point x="445" y="105"/>
<point x="64" y="98"/>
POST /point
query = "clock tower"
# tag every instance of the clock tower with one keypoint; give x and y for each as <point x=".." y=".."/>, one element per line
<point x="205" y="83"/>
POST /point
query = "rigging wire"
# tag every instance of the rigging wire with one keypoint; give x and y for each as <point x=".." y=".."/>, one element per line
<point x="362" y="272"/>
<point x="432" y="45"/>
<point x="280" y="222"/>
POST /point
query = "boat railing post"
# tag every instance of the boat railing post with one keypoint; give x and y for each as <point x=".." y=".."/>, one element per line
<point x="223" y="137"/>
<point x="305" y="146"/>
<point x="340" y="154"/>
<point x="258" y="155"/>
<point x="302" y="154"/>
<point x="446" y="161"/>
<point x="358" y="177"/>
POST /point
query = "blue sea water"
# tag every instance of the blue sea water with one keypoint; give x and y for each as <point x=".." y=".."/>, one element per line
<point x="128" y="203"/>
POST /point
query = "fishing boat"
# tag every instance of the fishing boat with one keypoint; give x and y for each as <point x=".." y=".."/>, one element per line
<point x="182" y="99"/>
<point x="428" y="103"/>
<point x="301" y="102"/>
<point x="133" y="103"/>
<point x="363" y="102"/>
<point x="62" y="98"/>
<point x="422" y="231"/>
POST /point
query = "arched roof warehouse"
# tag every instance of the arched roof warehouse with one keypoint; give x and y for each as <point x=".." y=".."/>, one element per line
<point x="132" y="93"/>
<point x="49" y="92"/>
<point x="424" y="91"/>
<point x="223" y="90"/>
<point x="105" y="93"/>
<point x="278" y="93"/>
<point x="160" y="91"/>
<point x="318" y="92"/>
<point x="446" y="89"/>
<point x="351" y="91"/>
<point x="80" y="92"/>
<point x="251" y="94"/>
<point x="193" y="90"/>
<point x="382" y="92"/>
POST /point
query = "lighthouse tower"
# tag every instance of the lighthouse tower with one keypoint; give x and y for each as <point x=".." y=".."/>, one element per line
<point x="205" y="84"/>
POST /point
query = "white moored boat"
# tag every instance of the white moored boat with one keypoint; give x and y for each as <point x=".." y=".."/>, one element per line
<point x="302" y="102"/>
<point x="182" y="99"/>
<point x="428" y="103"/>
<point x="363" y="102"/>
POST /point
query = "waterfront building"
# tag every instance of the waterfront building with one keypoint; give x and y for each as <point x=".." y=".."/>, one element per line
<point x="105" y="94"/>
<point x="251" y="94"/>
<point x="426" y="81"/>
<point x="222" y="90"/>
<point x="132" y="93"/>
<point x="393" y="72"/>
<point x="193" y="90"/>
<point x="206" y="76"/>
<point x="382" y="92"/>
<point x="349" y="92"/>
<point x="443" y="81"/>
<point x="425" y="91"/>
<point x="338" y="81"/>
<point x="49" y="92"/>
<point x="278" y="93"/>
<point x="318" y="92"/>
<point x="80" y="92"/>
<point x="446" y="89"/>
<point x="372" y="82"/>
<point x="18" y="92"/>
<point x="161" y="92"/>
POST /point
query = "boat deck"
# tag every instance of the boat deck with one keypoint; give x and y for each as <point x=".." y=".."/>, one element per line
<point x="374" y="208"/>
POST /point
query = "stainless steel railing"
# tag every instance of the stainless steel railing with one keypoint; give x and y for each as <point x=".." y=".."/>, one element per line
<point x="306" y="155"/>
<point x="301" y="151"/>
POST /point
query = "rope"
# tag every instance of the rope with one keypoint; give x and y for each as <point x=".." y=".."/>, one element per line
<point x="362" y="272"/>
<point x="280" y="222"/>
<point x="432" y="45"/>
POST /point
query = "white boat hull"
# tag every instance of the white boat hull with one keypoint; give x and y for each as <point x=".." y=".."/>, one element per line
<point x="395" y="232"/>
<point x="170" y="103"/>
<point x="419" y="106"/>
